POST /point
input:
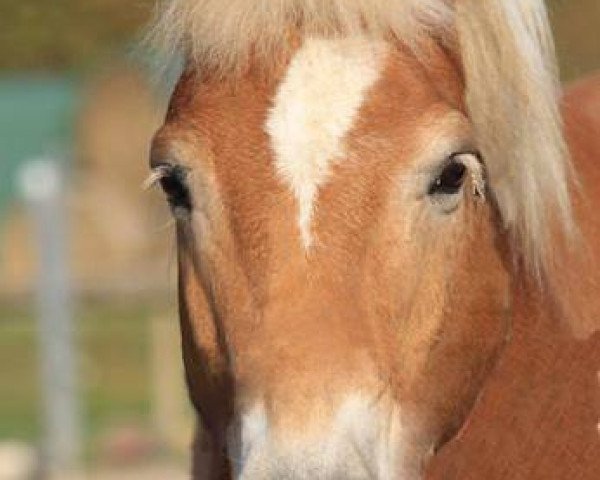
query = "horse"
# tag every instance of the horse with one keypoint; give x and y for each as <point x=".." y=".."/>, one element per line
<point x="368" y="195"/>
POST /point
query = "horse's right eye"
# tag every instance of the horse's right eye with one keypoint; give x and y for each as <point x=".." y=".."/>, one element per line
<point x="173" y="181"/>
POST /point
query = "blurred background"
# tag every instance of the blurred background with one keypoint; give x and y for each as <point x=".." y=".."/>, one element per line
<point x="90" y="378"/>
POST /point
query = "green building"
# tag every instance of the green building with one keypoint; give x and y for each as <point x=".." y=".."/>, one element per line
<point x="36" y="120"/>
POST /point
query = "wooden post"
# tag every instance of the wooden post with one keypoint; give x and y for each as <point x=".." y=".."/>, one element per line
<point x="170" y="405"/>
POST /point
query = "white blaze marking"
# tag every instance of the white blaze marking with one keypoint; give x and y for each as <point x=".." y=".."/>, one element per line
<point x="314" y="109"/>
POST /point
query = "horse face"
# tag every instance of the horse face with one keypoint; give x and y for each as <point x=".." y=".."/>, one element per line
<point x="342" y="285"/>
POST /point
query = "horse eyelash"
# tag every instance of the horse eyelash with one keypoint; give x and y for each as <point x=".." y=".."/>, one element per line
<point x="155" y="177"/>
<point x="476" y="172"/>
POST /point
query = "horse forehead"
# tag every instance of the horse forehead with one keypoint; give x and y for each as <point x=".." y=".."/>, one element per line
<point x="301" y="128"/>
<point x="314" y="108"/>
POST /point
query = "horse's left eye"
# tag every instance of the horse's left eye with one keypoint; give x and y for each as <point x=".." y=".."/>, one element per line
<point x="450" y="180"/>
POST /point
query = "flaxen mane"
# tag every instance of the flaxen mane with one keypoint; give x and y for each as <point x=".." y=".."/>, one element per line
<point x="509" y="68"/>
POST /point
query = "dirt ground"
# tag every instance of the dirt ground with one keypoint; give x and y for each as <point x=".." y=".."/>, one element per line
<point x="153" y="472"/>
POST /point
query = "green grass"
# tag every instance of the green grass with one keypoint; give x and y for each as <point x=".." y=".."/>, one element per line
<point x="19" y="376"/>
<point x="114" y="381"/>
<point x="67" y="34"/>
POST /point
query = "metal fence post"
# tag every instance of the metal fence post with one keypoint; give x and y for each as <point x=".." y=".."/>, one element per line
<point x="41" y="185"/>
